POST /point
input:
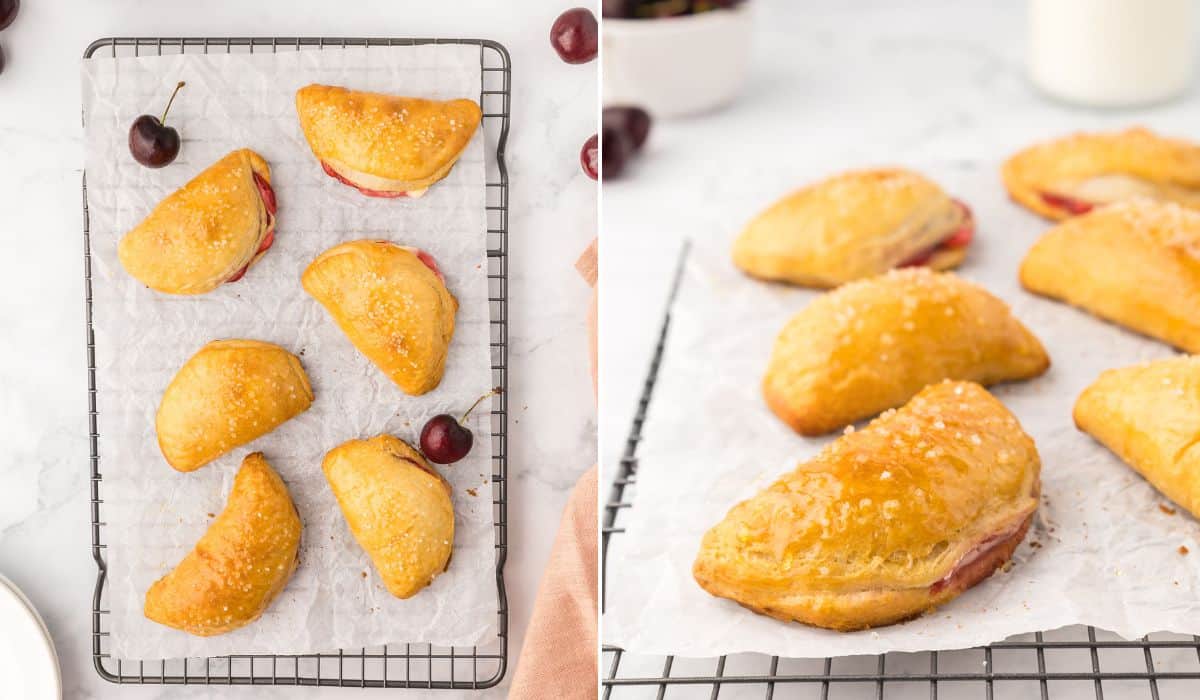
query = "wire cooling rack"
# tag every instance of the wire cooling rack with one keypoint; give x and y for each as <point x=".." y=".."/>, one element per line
<point x="1074" y="663"/>
<point x="411" y="665"/>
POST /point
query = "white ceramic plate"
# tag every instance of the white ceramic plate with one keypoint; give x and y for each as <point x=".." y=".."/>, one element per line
<point x="28" y="664"/>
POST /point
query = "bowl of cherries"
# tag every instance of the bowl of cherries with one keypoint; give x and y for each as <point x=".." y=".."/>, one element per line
<point x="675" y="57"/>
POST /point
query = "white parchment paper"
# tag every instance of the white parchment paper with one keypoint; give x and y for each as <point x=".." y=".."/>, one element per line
<point x="154" y="514"/>
<point x="1101" y="552"/>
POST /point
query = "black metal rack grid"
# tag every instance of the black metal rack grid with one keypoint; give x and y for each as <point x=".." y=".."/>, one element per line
<point x="406" y="665"/>
<point x="1075" y="662"/>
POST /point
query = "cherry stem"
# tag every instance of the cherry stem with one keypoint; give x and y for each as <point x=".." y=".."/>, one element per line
<point x="478" y="401"/>
<point x="170" y="102"/>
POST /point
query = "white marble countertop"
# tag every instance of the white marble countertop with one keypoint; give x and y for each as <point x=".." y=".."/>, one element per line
<point x="832" y="86"/>
<point x="44" y="530"/>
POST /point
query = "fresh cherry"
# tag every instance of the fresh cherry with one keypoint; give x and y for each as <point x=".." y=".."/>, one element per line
<point x="634" y="121"/>
<point x="615" y="151"/>
<point x="151" y="141"/>
<point x="8" y="12"/>
<point x="589" y="156"/>
<point x="445" y="440"/>
<point x="575" y="35"/>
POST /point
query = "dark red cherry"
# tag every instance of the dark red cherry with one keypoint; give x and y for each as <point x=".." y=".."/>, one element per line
<point x="445" y="440"/>
<point x="575" y="35"/>
<point x="8" y="12"/>
<point x="151" y="141"/>
<point x="634" y="121"/>
<point x="615" y="151"/>
<point x="589" y="156"/>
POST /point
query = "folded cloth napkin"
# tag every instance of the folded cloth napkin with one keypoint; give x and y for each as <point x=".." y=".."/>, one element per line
<point x="559" y="656"/>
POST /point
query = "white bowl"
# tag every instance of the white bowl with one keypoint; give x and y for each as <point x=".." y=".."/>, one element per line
<point x="677" y="66"/>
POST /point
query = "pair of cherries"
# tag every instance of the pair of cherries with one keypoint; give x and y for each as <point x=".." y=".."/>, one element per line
<point x="8" y="13"/>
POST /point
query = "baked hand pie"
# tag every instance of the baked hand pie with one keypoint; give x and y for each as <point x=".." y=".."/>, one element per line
<point x="398" y="509"/>
<point x="855" y="225"/>
<point x="1149" y="415"/>
<point x="227" y="394"/>
<point x="886" y="522"/>
<point x="1072" y="175"/>
<point x="208" y="232"/>
<point x="385" y="145"/>
<point x="873" y="344"/>
<point x="392" y="302"/>
<point x="1135" y="263"/>
<point x="240" y="564"/>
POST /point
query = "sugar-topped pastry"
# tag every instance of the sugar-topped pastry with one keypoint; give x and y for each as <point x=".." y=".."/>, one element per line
<point x="240" y="564"/>
<point x="385" y="145"/>
<point x="391" y="301"/>
<point x="873" y="344"/>
<point x="886" y="522"/>
<point x="208" y="232"/>
<point x="227" y="394"/>
<point x="854" y="225"/>
<point x="1135" y="263"/>
<point x="1149" y="415"/>
<point x="1075" y="174"/>
<point x="398" y="508"/>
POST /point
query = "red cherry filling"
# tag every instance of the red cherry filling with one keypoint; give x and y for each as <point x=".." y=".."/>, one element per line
<point x="978" y="563"/>
<point x="370" y="193"/>
<point x="1068" y="204"/>
<point x="425" y="258"/>
<point x="268" y="197"/>
<point x="961" y="238"/>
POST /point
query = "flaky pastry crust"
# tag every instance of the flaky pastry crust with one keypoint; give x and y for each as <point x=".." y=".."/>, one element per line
<point x="886" y="522"/>
<point x="873" y="344"/>
<point x="1149" y="415"/>
<point x="1134" y="263"/>
<point x="207" y="232"/>
<point x="1071" y="175"/>
<point x="227" y="394"/>
<point x="398" y="509"/>
<point x="240" y="564"/>
<point x="385" y="143"/>
<point x="850" y="226"/>
<point x="393" y="306"/>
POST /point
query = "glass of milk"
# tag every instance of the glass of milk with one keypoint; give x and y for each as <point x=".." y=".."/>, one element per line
<point x="1112" y="53"/>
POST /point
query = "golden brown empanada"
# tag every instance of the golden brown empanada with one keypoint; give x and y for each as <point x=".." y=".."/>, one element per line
<point x="227" y="394"/>
<point x="1072" y="175"/>
<point x="873" y="344"/>
<point x="392" y="302"/>
<point x="398" y="509"/>
<point x="855" y="225"/>
<point x="1149" y="415"/>
<point x="209" y="232"/>
<point x="384" y="145"/>
<point x="240" y="564"/>
<point x="886" y="522"/>
<point x="1135" y="263"/>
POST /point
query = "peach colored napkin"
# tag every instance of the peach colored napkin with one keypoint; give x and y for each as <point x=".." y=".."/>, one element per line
<point x="559" y="657"/>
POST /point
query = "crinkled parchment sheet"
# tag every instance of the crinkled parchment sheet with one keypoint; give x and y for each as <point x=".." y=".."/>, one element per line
<point x="1100" y="552"/>
<point x="154" y="514"/>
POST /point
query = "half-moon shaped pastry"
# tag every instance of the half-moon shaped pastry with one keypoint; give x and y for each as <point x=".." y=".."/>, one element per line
<point x="392" y="302"/>
<point x="1072" y="175"/>
<point x="886" y="522"/>
<point x="873" y="344"/>
<point x="1149" y="415"/>
<point x="1136" y="263"/>
<point x="384" y="145"/>
<point x="208" y="232"/>
<point x="240" y="564"/>
<point x="398" y="509"/>
<point x="854" y="225"/>
<point x="227" y="394"/>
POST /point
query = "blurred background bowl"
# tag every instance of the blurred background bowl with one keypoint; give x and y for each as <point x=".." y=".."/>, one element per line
<point x="677" y="66"/>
